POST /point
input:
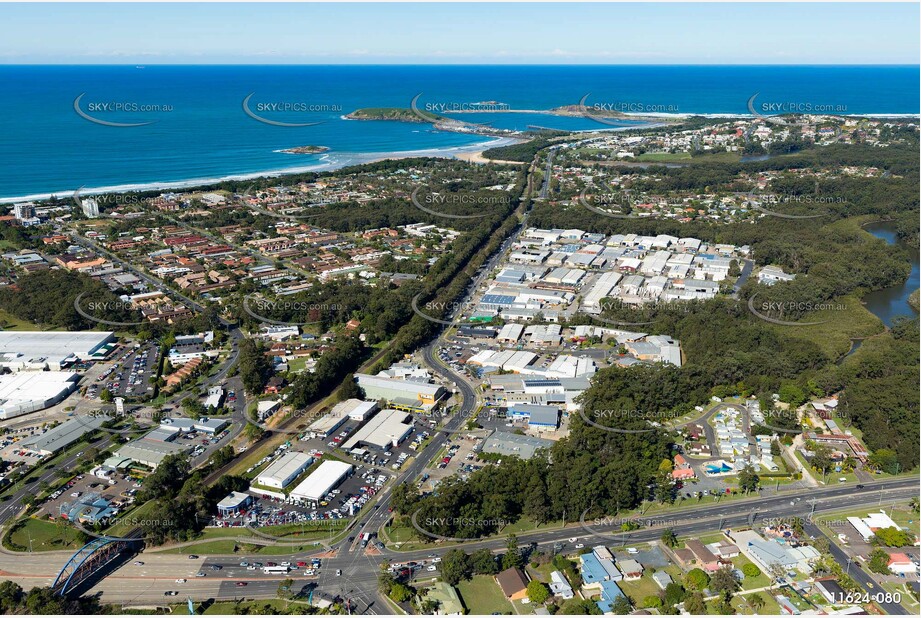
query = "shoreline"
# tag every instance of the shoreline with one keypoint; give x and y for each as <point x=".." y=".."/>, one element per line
<point x="471" y="153"/>
<point x="348" y="159"/>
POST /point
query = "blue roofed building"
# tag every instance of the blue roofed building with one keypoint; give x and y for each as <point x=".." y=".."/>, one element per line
<point x="495" y="302"/>
<point x="536" y="416"/>
<point x="609" y="593"/>
<point x="596" y="570"/>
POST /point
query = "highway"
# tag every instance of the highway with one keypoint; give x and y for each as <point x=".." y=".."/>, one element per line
<point x="360" y="569"/>
<point x="11" y="507"/>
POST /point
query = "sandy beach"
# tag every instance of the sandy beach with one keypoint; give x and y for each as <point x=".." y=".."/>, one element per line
<point x="477" y="157"/>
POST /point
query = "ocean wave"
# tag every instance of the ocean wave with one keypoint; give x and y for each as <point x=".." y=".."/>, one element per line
<point x="340" y="160"/>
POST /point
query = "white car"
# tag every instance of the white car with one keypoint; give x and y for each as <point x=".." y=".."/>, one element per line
<point x="580" y="545"/>
<point x="287" y="564"/>
<point x="632" y="550"/>
<point x="573" y="539"/>
<point x="431" y="567"/>
<point x="180" y="581"/>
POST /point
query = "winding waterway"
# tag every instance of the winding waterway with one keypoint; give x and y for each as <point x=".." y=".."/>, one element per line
<point x="890" y="302"/>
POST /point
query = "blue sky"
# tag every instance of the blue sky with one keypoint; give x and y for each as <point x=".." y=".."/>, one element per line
<point x="657" y="33"/>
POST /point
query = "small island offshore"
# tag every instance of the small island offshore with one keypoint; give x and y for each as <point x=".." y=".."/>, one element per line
<point x="305" y="150"/>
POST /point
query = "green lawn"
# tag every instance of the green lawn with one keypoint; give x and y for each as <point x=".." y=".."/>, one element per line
<point x="482" y="595"/>
<point x="45" y="535"/>
<point x="664" y="157"/>
<point x="640" y="588"/>
<point x="770" y="605"/>
<point x="124" y="525"/>
<point x="750" y="582"/>
<point x="10" y="322"/>
<point x="229" y="547"/>
<point x="263" y="606"/>
<point x="297" y="365"/>
<point x="541" y="573"/>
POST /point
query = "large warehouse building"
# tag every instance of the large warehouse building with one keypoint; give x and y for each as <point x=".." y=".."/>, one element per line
<point x="63" y="435"/>
<point x="388" y="428"/>
<point x="153" y="448"/>
<point x="321" y="481"/>
<point x="284" y="470"/>
<point x="406" y="394"/>
<point x="355" y="409"/>
<point x="30" y="391"/>
<point x="53" y="350"/>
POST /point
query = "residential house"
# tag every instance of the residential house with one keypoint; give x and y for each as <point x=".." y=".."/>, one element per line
<point x="683" y="470"/>
<point x="559" y="585"/>
<point x="631" y="569"/>
<point x="703" y="557"/>
<point x="662" y="579"/>
<point x="514" y="584"/>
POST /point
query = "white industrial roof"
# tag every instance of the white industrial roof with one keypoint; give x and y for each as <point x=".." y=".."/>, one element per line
<point x="284" y="467"/>
<point x="33" y="390"/>
<point x="324" y="478"/>
<point x="55" y="346"/>
<point x="354" y="408"/>
<point x="381" y="430"/>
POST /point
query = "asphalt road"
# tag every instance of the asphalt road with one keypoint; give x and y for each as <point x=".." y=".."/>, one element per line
<point x="358" y="581"/>
<point x="857" y="573"/>
<point x="11" y="507"/>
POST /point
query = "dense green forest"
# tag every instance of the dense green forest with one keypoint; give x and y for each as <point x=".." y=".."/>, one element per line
<point x="523" y="152"/>
<point x="46" y="298"/>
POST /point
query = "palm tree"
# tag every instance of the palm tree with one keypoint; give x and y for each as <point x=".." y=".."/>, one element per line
<point x="756" y="601"/>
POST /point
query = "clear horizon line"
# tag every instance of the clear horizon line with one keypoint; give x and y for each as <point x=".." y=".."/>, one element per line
<point x="470" y="64"/>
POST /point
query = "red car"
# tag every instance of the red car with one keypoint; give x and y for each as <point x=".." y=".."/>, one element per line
<point x="301" y="563"/>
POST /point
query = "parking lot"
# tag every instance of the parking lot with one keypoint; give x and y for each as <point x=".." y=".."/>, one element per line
<point x="341" y="502"/>
<point x="460" y="459"/>
<point x="118" y="489"/>
<point x="129" y="375"/>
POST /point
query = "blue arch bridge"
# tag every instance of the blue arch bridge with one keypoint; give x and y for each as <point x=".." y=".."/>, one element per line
<point x="88" y="561"/>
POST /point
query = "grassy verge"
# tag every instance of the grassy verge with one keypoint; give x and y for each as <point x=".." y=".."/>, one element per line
<point x="31" y="534"/>
<point x="481" y="595"/>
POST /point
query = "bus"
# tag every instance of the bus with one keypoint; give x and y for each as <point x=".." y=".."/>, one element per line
<point x="273" y="570"/>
